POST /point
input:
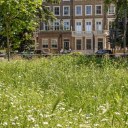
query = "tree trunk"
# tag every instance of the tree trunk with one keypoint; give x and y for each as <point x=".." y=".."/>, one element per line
<point x="8" y="48"/>
<point x="125" y="25"/>
<point x="8" y="43"/>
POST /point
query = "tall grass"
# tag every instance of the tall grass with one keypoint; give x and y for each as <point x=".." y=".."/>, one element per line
<point x="66" y="91"/>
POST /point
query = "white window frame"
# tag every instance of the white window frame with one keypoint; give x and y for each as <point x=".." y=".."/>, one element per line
<point x="79" y="20"/>
<point x="66" y="20"/>
<point x="96" y="9"/>
<point x="76" y="10"/>
<point x="86" y="43"/>
<point x="109" y="13"/>
<point x="43" y="39"/>
<point x="44" y="27"/>
<point x="76" y="43"/>
<point x="86" y="11"/>
<point x="68" y="10"/>
<point x="98" y="20"/>
<point x="54" y="10"/>
<point x="110" y="20"/>
<point x="53" y="26"/>
<point x="88" y="20"/>
<point x="54" y="44"/>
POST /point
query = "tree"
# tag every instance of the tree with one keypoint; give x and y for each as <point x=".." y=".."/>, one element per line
<point x="18" y="15"/>
<point x="120" y="20"/>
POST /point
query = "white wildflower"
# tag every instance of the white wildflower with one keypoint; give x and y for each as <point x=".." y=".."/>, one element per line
<point x="13" y="123"/>
<point x="16" y="118"/>
<point x="31" y="118"/>
<point x="36" y="125"/>
<point x="45" y="123"/>
<point x="41" y="114"/>
<point x="117" y="113"/>
<point x="87" y="116"/>
<point x="96" y="125"/>
<point x="59" y="125"/>
<point x="104" y="119"/>
<point x="62" y="108"/>
<point x="5" y="124"/>
<point x="19" y="76"/>
<point x="84" y="126"/>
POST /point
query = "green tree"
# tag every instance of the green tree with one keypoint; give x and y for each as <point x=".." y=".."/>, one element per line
<point x="120" y="23"/>
<point x="19" y="15"/>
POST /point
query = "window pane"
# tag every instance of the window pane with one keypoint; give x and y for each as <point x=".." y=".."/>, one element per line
<point x="54" y="43"/>
<point x="57" y="10"/>
<point x="78" y="44"/>
<point x="66" y="25"/>
<point x="98" y="26"/>
<point x="88" y="26"/>
<point x="66" y="10"/>
<point x="98" y="9"/>
<point x="88" y="44"/>
<point x="56" y="25"/>
<point x="88" y="10"/>
<point x="78" y="10"/>
<point x="45" y="43"/>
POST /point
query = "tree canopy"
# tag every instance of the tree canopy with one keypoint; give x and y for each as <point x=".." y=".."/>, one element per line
<point x="16" y="16"/>
<point x="120" y="24"/>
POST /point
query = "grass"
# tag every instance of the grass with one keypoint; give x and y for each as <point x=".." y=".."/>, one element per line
<point x="65" y="91"/>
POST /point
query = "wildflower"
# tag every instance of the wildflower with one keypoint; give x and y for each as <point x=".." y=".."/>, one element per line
<point x="84" y="126"/>
<point x="96" y="125"/>
<point x="16" y="118"/>
<point x="70" y="122"/>
<point x="62" y="108"/>
<point x="30" y="118"/>
<point x="41" y="114"/>
<point x="126" y="123"/>
<point x="12" y="103"/>
<point x="19" y="76"/>
<point x="45" y="123"/>
<point x="126" y="113"/>
<point x="5" y="124"/>
<point x="29" y="111"/>
<point x="117" y="113"/>
<point x="104" y="111"/>
<point x="59" y="125"/>
<point x="104" y="119"/>
<point x="13" y="123"/>
<point x="75" y="118"/>
<point x="70" y="110"/>
<point x="36" y="125"/>
<point x="87" y="116"/>
<point x="18" y="124"/>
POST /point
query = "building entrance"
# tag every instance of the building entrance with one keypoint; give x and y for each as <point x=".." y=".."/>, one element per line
<point x="100" y="43"/>
<point x="66" y="44"/>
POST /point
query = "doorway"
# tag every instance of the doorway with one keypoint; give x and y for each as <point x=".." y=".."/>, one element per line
<point x="100" y="43"/>
<point x="66" y="44"/>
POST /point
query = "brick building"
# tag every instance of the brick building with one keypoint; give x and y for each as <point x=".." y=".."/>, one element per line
<point x="80" y="25"/>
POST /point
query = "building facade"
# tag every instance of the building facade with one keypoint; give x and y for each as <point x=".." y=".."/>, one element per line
<point x="80" y="25"/>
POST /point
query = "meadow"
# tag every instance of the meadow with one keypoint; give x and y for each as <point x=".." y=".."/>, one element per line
<point x="64" y="92"/>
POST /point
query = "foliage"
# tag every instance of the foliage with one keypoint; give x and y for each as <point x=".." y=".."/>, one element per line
<point x="65" y="91"/>
<point x="120" y="20"/>
<point x="19" y="15"/>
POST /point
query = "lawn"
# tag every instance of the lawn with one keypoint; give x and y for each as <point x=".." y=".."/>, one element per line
<point x="64" y="92"/>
